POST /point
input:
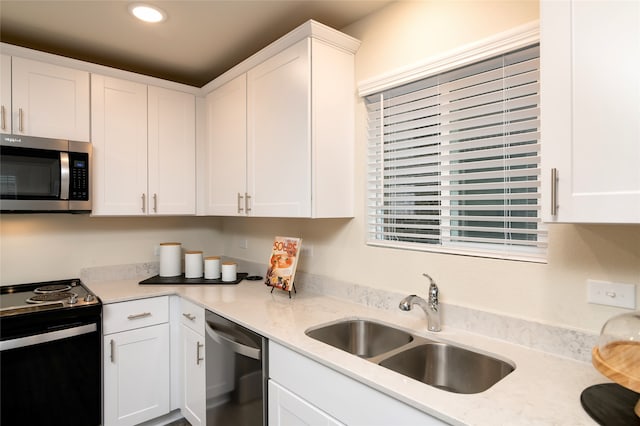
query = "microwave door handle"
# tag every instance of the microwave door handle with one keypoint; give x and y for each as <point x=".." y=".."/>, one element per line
<point x="64" y="176"/>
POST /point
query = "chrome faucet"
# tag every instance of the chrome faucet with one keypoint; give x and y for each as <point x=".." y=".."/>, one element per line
<point x="432" y="308"/>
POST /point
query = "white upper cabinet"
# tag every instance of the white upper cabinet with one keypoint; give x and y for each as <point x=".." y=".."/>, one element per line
<point x="279" y="134"/>
<point x="119" y="137"/>
<point x="47" y="100"/>
<point x="172" y="152"/>
<point x="143" y="149"/>
<point x="281" y="129"/>
<point x="5" y="93"/>
<point x="590" y="85"/>
<point x="227" y="148"/>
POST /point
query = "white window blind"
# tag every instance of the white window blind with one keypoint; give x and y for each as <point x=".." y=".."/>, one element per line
<point x="454" y="161"/>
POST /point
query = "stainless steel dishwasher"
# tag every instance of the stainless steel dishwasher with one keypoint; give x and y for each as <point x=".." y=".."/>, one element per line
<point x="236" y="374"/>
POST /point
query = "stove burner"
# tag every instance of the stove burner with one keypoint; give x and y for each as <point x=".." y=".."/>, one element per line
<point x="53" y="288"/>
<point x="51" y="297"/>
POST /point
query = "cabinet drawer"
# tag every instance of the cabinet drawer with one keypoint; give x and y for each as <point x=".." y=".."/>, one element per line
<point x="192" y="316"/>
<point x="135" y="314"/>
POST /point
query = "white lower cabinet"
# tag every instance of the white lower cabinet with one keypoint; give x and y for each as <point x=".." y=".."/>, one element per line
<point x="193" y="364"/>
<point x="287" y="409"/>
<point x="333" y="398"/>
<point x="136" y="361"/>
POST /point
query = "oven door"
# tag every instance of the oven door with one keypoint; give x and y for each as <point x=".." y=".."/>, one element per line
<point x="52" y="376"/>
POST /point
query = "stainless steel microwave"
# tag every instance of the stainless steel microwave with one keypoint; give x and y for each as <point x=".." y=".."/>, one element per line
<point x="44" y="175"/>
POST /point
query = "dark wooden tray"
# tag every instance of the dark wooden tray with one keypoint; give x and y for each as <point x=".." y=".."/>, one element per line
<point x="181" y="280"/>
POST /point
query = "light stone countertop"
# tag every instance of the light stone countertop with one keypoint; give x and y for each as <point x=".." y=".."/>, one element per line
<point x="544" y="389"/>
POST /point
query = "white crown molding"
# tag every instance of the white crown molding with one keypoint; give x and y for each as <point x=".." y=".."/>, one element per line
<point x="310" y="29"/>
<point x="63" y="61"/>
<point x="497" y="44"/>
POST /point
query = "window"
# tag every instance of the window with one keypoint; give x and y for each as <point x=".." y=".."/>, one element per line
<point x="454" y="161"/>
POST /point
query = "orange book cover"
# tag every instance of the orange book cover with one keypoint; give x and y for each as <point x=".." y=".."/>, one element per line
<point x="283" y="262"/>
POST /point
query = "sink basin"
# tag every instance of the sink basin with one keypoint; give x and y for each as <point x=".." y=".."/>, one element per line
<point x="442" y="365"/>
<point x="361" y="337"/>
<point x="449" y="367"/>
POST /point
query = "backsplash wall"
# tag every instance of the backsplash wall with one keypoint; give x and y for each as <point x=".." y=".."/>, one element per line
<point x="42" y="247"/>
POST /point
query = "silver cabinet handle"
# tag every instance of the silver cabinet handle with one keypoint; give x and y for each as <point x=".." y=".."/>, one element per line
<point x="143" y="202"/>
<point x="240" y="209"/>
<point x="198" y="358"/>
<point x="139" y="316"/>
<point x="20" y="120"/>
<point x="189" y="316"/>
<point x="112" y="345"/>
<point x="247" y="197"/>
<point x="4" y="121"/>
<point x="155" y="203"/>
<point x="554" y="191"/>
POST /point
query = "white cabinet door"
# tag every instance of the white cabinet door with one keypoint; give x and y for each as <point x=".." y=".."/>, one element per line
<point x="49" y="100"/>
<point x="194" y="395"/>
<point x="363" y="406"/>
<point x="279" y="134"/>
<point x="136" y="375"/>
<point x="172" y="152"/>
<point x="590" y="79"/>
<point x="287" y="409"/>
<point x="227" y="148"/>
<point x="119" y="137"/>
<point x="5" y="93"/>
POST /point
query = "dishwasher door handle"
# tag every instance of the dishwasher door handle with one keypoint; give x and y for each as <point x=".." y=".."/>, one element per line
<point x="228" y="339"/>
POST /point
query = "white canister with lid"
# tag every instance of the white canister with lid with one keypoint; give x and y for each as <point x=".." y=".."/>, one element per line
<point x="229" y="271"/>
<point x="193" y="264"/>
<point x="212" y="267"/>
<point x="170" y="259"/>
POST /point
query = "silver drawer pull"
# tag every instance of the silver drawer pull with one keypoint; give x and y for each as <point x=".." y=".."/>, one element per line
<point x="113" y="351"/>
<point x="138" y="316"/>
<point x="189" y="317"/>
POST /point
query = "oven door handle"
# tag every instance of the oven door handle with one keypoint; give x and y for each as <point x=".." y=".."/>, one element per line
<point x="47" y="337"/>
<point x="226" y="337"/>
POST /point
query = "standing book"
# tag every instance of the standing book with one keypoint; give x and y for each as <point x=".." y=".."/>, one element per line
<point x="283" y="262"/>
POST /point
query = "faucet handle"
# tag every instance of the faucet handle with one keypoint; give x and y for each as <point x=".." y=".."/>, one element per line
<point x="433" y="291"/>
<point x="430" y="279"/>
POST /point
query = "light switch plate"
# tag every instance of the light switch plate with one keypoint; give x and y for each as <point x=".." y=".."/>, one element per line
<point x="611" y="294"/>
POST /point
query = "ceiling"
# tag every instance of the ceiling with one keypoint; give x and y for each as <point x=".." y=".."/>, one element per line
<point x="200" y="39"/>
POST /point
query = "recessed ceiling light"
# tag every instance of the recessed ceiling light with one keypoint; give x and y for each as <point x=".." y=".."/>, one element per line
<point x="147" y="13"/>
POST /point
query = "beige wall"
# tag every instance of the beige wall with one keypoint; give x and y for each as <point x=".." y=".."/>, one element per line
<point x="39" y="247"/>
<point x="400" y="35"/>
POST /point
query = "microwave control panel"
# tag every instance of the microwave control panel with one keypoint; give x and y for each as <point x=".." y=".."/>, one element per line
<point x="79" y="171"/>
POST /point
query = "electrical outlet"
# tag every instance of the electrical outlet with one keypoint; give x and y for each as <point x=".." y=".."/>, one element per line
<point x="156" y="250"/>
<point x="244" y="244"/>
<point x="611" y="294"/>
<point x="307" y="250"/>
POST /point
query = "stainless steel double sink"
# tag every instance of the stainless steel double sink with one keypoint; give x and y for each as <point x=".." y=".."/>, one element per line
<point x="443" y="365"/>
